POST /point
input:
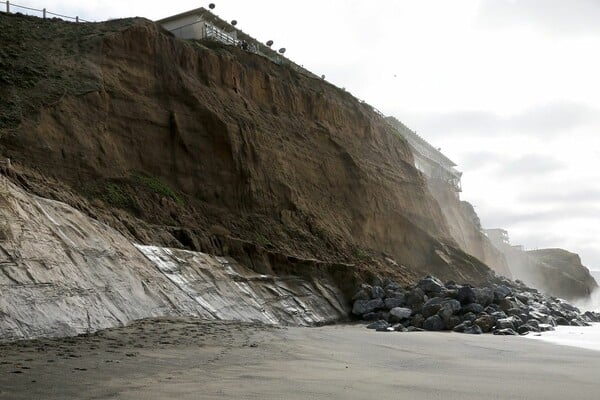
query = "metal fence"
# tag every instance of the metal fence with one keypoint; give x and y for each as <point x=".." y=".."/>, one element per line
<point x="44" y="13"/>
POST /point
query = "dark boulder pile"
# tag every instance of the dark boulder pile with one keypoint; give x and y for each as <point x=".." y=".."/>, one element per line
<point x="503" y="308"/>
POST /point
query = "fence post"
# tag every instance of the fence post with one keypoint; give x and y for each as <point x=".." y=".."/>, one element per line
<point x="44" y="12"/>
<point x="76" y="19"/>
<point x="7" y="6"/>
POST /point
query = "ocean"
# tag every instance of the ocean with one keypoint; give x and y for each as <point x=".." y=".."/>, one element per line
<point x="586" y="337"/>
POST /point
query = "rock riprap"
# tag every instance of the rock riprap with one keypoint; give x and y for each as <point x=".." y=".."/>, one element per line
<point x="504" y="308"/>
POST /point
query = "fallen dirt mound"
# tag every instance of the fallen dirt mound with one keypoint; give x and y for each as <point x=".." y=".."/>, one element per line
<point x="198" y="145"/>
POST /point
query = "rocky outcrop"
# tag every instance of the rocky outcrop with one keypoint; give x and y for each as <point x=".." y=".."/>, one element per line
<point x="560" y="273"/>
<point x="63" y="273"/>
<point x="556" y="272"/>
<point x="194" y="145"/>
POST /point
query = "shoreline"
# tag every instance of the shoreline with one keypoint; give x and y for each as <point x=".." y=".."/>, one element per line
<point x="190" y="359"/>
<point x="581" y="337"/>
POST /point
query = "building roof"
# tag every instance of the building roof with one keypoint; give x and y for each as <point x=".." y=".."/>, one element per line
<point x="421" y="145"/>
<point x="265" y="50"/>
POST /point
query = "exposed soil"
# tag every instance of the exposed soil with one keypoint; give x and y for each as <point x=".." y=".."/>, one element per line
<point x="210" y="148"/>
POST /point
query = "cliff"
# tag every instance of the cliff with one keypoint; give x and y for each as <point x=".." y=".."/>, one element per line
<point x="460" y="216"/>
<point x="556" y="272"/>
<point x="465" y="228"/>
<point x="210" y="148"/>
<point x="561" y="273"/>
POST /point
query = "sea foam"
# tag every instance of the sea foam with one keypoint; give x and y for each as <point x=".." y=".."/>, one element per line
<point x="586" y="337"/>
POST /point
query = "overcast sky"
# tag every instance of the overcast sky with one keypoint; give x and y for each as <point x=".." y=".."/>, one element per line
<point x="508" y="89"/>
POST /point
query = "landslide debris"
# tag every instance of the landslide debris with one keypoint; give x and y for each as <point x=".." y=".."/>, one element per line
<point x="200" y="145"/>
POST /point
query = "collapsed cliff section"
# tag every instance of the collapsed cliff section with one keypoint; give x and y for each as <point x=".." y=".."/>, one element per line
<point x="465" y="227"/>
<point x="199" y="145"/>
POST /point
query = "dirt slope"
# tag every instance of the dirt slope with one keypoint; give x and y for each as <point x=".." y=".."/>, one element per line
<point x="465" y="228"/>
<point x="205" y="147"/>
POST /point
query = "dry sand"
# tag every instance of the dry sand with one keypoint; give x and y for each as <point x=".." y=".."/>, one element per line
<point x="191" y="359"/>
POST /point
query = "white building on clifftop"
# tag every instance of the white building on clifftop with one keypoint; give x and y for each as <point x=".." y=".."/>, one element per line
<point x="429" y="160"/>
<point x="200" y="24"/>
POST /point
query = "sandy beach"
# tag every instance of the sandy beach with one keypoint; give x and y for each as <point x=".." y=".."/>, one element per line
<point x="192" y="359"/>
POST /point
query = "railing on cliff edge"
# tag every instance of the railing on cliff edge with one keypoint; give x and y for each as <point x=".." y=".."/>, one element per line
<point x="44" y="12"/>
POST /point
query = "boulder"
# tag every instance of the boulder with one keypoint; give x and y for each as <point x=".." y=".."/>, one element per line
<point x="485" y="322"/>
<point x="395" y="294"/>
<point x="506" y="304"/>
<point x="468" y="327"/>
<point x="466" y="295"/>
<point x="401" y="312"/>
<point x="505" y="332"/>
<point x="394" y="302"/>
<point x="452" y="321"/>
<point x="562" y="321"/>
<point x="431" y="284"/>
<point x="505" y="323"/>
<point x="534" y="323"/>
<point x="474" y="308"/>
<point x="469" y="317"/>
<point x="484" y="296"/>
<point x="434" y="323"/>
<point x="432" y="306"/>
<point x="362" y="307"/>
<point x="377" y="292"/>
<point x="378" y="325"/>
<point x="591" y="316"/>
<point x="578" y="322"/>
<point x="526" y="328"/>
<point x="415" y="297"/>
<point x="417" y="321"/>
<point x="449" y="308"/>
<point x="501" y="292"/>
<point x="451" y="304"/>
<point x="498" y="314"/>
<point x="394" y="286"/>
<point x="523" y="297"/>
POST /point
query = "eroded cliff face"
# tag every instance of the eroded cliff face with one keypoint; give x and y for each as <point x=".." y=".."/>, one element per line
<point x="559" y="272"/>
<point x="465" y="228"/>
<point x="556" y="272"/>
<point x="198" y="145"/>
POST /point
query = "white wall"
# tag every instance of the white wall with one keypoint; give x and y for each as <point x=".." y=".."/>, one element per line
<point x="190" y="27"/>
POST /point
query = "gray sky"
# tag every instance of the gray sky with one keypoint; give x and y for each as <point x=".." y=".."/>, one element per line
<point x="508" y="89"/>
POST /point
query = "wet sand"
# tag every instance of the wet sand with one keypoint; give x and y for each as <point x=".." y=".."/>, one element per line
<point x="191" y="359"/>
